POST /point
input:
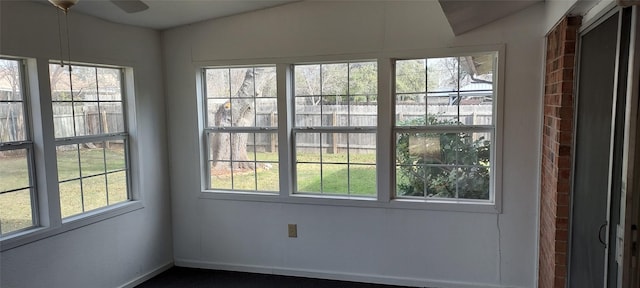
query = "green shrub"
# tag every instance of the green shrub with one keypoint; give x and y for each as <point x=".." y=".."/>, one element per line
<point x="445" y="165"/>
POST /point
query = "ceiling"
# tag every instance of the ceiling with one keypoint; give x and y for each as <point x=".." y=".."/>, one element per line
<point x="163" y="14"/>
<point x="463" y="15"/>
<point x="466" y="15"/>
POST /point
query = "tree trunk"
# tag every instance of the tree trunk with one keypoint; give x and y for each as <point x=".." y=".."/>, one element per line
<point x="232" y="147"/>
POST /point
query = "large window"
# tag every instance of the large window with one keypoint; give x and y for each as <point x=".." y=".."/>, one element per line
<point x="17" y="191"/>
<point x="445" y="127"/>
<point x="91" y="137"/>
<point x="335" y="128"/>
<point x="241" y="129"/>
<point x="407" y="132"/>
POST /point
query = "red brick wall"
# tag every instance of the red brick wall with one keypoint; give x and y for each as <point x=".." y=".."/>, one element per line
<point x="556" y="152"/>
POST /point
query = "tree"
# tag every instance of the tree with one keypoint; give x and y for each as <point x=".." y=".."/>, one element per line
<point x="239" y="113"/>
<point x="10" y="76"/>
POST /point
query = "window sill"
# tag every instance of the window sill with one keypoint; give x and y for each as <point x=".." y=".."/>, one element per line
<point x="68" y="224"/>
<point x="350" y="201"/>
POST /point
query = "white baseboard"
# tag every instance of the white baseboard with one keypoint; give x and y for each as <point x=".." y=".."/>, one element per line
<point x="147" y="276"/>
<point x="332" y="275"/>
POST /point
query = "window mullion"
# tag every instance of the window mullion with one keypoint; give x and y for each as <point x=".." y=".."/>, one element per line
<point x="284" y="81"/>
<point x="44" y="143"/>
<point x="384" y="138"/>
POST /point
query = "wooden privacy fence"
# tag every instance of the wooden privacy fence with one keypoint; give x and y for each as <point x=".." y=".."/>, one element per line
<point x="357" y="115"/>
<point x="12" y="126"/>
<point x="87" y="119"/>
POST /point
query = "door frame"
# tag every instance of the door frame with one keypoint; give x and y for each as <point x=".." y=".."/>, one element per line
<point x="629" y="269"/>
<point x="628" y="244"/>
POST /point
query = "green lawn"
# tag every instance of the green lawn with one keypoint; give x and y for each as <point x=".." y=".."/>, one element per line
<point x="15" y="207"/>
<point x="337" y="179"/>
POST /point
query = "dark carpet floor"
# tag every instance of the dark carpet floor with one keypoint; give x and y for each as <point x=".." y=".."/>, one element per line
<point x="201" y="278"/>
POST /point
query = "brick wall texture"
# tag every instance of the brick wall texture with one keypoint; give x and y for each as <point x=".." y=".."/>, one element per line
<point x="556" y="152"/>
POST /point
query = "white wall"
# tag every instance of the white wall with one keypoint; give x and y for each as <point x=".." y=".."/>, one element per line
<point x="118" y="250"/>
<point x="415" y="247"/>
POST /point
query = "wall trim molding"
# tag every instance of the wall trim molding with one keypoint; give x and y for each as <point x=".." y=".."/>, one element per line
<point x="139" y="280"/>
<point x="332" y="275"/>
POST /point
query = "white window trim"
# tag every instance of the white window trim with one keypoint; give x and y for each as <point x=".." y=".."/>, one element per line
<point x="385" y="143"/>
<point x="46" y="181"/>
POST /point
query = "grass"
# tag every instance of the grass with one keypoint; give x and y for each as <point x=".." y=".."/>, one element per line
<point x="15" y="207"/>
<point x="335" y="179"/>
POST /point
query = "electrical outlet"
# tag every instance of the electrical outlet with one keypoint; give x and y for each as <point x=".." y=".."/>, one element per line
<point x="293" y="230"/>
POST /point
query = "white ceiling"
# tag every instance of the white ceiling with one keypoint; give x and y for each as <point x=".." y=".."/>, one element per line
<point x="463" y="15"/>
<point x="163" y="14"/>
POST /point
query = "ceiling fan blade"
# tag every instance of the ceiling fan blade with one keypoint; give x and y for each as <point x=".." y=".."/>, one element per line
<point x="130" y="6"/>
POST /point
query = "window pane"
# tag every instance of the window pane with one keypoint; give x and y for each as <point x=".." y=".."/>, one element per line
<point x="308" y="178"/>
<point x="307" y="80"/>
<point x="334" y="147"/>
<point x="410" y="110"/>
<point x="85" y="86"/>
<point x="63" y="120"/>
<point x="68" y="162"/>
<point x="362" y="114"/>
<point x="244" y="176"/>
<point x="308" y="147"/>
<point x="335" y="178"/>
<point x="242" y="112"/>
<point x="12" y="82"/>
<point x="363" y="80"/>
<point x="219" y="148"/>
<point x="70" y="198"/>
<point x="15" y="211"/>
<point x="96" y="104"/>
<point x="242" y="82"/>
<point x="217" y="83"/>
<point x="433" y="150"/>
<point x="334" y="111"/>
<point x="111" y="117"/>
<point x="88" y="118"/>
<point x="92" y="160"/>
<point x="12" y="122"/>
<point x="109" y="84"/>
<point x="334" y="79"/>
<point x="266" y="82"/>
<point x="410" y="76"/>
<point x="410" y="181"/>
<point x="362" y="180"/>
<point x="444" y="74"/>
<point x="220" y="176"/>
<point x="474" y="182"/>
<point x="94" y="190"/>
<point x="117" y="187"/>
<point x="266" y="112"/>
<point x="241" y="97"/>
<point x="268" y="178"/>
<point x="115" y="155"/>
<point x="308" y="112"/>
<point x="14" y="170"/>
<point x="362" y="148"/>
<point x="60" y="85"/>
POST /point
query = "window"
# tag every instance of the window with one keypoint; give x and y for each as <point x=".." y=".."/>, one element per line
<point x="428" y="139"/>
<point x="17" y="191"/>
<point x="241" y="129"/>
<point x="445" y="127"/>
<point x="91" y="137"/>
<point x="335" y="128"/>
